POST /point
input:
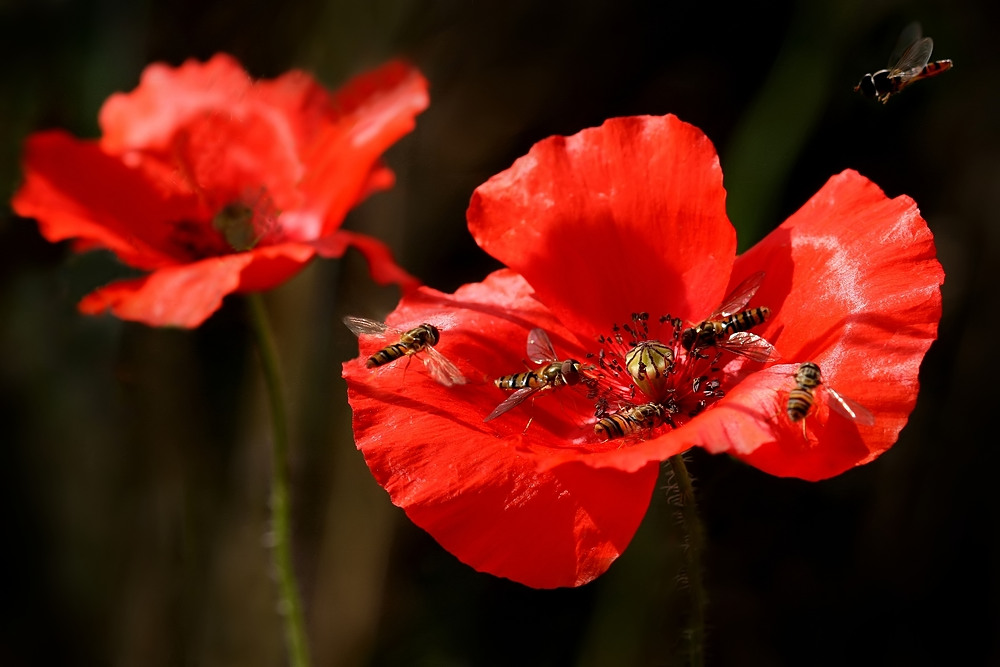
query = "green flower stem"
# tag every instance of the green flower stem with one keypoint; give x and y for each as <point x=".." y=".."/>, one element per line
<point x="290" y="603"/>
<point x="691" y="545"/>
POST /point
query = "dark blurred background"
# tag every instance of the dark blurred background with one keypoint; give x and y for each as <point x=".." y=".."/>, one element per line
<point x="135" y="460"/>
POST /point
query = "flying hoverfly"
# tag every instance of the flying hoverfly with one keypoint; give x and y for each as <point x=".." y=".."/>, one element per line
<point x="908" y="64"/>
<point x="631" y="420"/>
<point x="554" y="373"/>
<point x="803" y="397"/>
<point x="727" y="327"/>
<point x="418" y="341"/>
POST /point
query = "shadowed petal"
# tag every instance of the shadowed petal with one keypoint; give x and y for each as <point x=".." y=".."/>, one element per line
<point x="75" y="190"/>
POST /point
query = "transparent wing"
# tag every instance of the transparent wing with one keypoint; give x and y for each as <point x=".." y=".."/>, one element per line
<point x="512" y="401"/>
<point x="740" y="296"/>
<point x="440" y="368"/>
<point x="540" y="348"/>
<point x="852" y="410"/>
<point x="909" y="36"/>
<point x="913" y="60"/>
<point x="363" y="326"/>
<point x="750" y="346"/>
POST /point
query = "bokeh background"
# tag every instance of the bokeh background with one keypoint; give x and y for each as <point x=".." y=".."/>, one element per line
<point x="135" y="460"/>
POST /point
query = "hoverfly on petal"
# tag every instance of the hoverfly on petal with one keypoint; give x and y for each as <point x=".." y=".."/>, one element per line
<point x="802" y="398"/>
<point x="418" y="341"/>
<point x="554" y="373"/>
<point x="908" y="64"/>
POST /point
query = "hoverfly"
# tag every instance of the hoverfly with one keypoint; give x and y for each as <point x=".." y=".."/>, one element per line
<point x="419" y="341"/>
<point x="555" y="373"/>
<point x="631" y="420"/>
<point x="802" y="398"/>
<point x="726" y="328"/>
<point x="908" y="64"/>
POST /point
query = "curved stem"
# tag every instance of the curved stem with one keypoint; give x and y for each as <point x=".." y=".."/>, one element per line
<point x="691" y="546"/>
<point x="290" y="604"/>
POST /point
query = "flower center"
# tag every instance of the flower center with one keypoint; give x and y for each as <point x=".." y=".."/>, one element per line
<point x="646" y="379"/>
<point x="237" y="226"/>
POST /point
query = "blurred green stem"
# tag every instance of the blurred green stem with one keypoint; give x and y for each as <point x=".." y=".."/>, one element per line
<point x="290" y="603"/>
<point x="691" y="548"/>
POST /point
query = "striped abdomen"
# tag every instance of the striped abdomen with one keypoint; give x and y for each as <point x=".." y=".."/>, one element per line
<point x="800" y="402"/>
<point x="520" y="381"/>
<point x="554" y="374"/>
<point x="710" y="332"/>
<point x="934" y="68"/>
<point x="632" y="420"/>
<point x="410" y="342"/>
<point x="801" y="399"/>
<point x="745" y="319"/>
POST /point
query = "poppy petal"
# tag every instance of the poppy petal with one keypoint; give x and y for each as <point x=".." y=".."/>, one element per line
<point x="854" y="282"/>
<point x="178" y="296"/>
<point x="381" y="264"/>
<point x="204" y="174"/>
<point x="750" y="423"/>
<point x="270" y="266"/>
<point x="76" y="190"/>
<point x="186" y="295"/>
<point x="480" y="488"/>
<point x="851" y="280"/>
<point x="377" y="109"/>
<point x="850" y="268"/>
<point x="166" y="98"/>
<point x="641" y="194"/>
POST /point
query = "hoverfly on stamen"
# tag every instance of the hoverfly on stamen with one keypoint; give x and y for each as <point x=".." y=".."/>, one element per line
<point x="629" y="421"/>
<point x="908" y="64"/>
<point x="802" y="398"/>
<point x="418" y="341"/>
<point x="726" y="329"/>
<point x="555" y="373"/>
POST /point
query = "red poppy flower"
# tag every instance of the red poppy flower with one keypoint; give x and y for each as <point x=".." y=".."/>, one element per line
<point x="214" y="183"/>
<point x="598" y="229"/>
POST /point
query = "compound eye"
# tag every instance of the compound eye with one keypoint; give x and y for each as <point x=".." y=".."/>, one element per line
<point x="433" y="335"/>
<point x="570" y="371"/>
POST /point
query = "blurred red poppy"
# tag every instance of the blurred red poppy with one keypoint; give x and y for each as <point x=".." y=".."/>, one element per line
<point x="214" y="183"/>
<point x="617" y="237"/>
